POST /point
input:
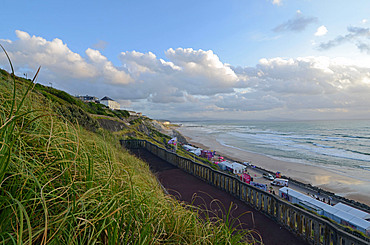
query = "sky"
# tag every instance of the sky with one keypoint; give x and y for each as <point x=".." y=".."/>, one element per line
<point x="192" y="60"/>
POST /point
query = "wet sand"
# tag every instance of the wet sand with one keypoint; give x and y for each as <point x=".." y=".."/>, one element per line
<point x="327" y="179"/>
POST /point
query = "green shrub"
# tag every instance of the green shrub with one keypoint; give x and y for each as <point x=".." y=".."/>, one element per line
<point x="121" y="113"/>
<point x="136" y="121"/>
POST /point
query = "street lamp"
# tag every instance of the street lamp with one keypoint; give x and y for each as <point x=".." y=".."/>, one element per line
<point x="287" y="194"/>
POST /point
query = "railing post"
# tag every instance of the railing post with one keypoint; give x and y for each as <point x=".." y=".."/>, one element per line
<point x="284" y="212"/>
<point x="299" y="224"/>
<point x="309" y="229"/>
<point x="276" y="209"/>
<point x="266" y="204"/>
<point x="316" y="232"/>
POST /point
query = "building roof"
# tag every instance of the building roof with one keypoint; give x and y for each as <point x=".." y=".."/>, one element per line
<point x="237" y="165"/>
<point x="310" y="205"/>
<point x="233" y="165"/>
<point x="354" y="211"/>
<point x="341" y="211"/>
<point x="87" y="97"/>
<point x="189" y="147"/>
<point x="364" y="224"/>
<point x="107" y="98"/>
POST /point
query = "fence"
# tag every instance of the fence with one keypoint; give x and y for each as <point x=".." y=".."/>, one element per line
<point x="308" y="226"/>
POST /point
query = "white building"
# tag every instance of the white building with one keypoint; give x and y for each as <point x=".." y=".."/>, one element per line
<point x="340" y="213"/>
<point x="110" y="103"/>
<point x="354" y="211"/>
<point x="234" y="167"/>
<point x="134" y="113"/>
<point x="88" y="98"/>
<point x="189" y="147"/>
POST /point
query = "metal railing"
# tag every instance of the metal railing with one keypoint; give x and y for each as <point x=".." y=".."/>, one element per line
<point x="304" y="224"/>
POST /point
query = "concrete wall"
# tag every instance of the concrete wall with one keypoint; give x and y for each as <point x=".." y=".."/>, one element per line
<point x="111" y="104"/>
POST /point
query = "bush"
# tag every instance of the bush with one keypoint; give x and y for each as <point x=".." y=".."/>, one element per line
<point x="121" y="113"/>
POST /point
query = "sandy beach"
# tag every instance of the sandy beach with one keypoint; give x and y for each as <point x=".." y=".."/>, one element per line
<point x="332" y="180"/>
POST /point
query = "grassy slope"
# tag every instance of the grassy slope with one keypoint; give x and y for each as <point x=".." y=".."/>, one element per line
<point x="63" y="184"/>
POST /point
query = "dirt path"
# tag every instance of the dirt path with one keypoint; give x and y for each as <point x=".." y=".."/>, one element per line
<point x="189" y="189"/>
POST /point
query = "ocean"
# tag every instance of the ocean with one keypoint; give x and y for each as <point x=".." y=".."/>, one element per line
<point x="341" y="146"/>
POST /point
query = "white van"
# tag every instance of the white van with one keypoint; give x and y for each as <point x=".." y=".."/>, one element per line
<point x="280" y="182"/>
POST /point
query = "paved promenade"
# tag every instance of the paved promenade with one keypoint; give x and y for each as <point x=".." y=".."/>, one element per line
<point x="189" y="189"/>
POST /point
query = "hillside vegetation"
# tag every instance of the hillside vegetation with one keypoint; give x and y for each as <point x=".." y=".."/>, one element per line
<point x="65" y="180"/>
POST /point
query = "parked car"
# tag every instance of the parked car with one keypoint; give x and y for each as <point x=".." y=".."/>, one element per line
<point x="268" y="176"/>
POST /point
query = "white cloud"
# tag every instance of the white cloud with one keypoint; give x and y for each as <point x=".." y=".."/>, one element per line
<point x="139" y="63"/>
<point x="188" y="72"/>
<point x="196" y="83"/>
<point x="59" y="62"/>
<point x="321" y="31"/>
<point x="277" y="2"/>
<point x="204" y="65"/>
<point x="249" y="102"/>
<point x="55" y="55"/>
<point x="106" y="69"/>
<point x="305" y="76"/>
<point x="313" y="87"/>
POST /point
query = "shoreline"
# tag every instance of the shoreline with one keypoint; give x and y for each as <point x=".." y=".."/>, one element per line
<point x="326" y="179"/>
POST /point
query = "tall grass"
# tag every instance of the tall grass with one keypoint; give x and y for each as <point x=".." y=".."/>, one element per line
<point x="62" y="184"/>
